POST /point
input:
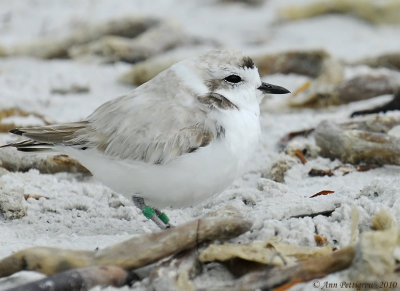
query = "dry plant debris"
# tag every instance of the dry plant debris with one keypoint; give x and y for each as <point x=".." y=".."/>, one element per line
<point x="366" y="141"/>
<point x="320" y="173"/>
<point x="9" y="112"/>
<point x="110" y="48"/>
<point x="390" y="61"/>
<point x="299" y="154"/>
<point x="130" y="254"/>
<point x="59" y="46"/>
<point x="271" y="252"/>
<point x="378" y="12"/>
<point x="393" y="104"/>
<point x="176" y="273"/>
<point x="34" y="196"/>
<point x="71" y="89"/>
<point x="320" y="240"/>
<point x="81" y="279"/>
<point x="15" y="161"/>
<point x="371" y="258"/>
<point x="323" y="192"/>
<point x="144" y="71"/>
<point x="12" y="204"/>
<point x="309" y="63"/>
<point x="322" y="94"/>
<point x="305" y="270"/>
<point x="291" y="135"/>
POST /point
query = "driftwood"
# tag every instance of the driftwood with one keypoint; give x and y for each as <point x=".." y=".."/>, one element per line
<point x="390" y="61"/>
<point x="393" y="104"/>
<point x="313" y="63"/>
<point x="144" y="71"/>
<point x="369" y="10"/>
<point x="156" y="39"/>
<point x="15" y="161"/>
<point x="360" y="142"/>
<point x="272" y="252"/>
<point x="130" y="254"/>
<point x="176" y="273"/>
<point x="306" y="270"/>
<point x="58" y="47"/>
<point x="362" y="87"/>
<point x="81" y="279"/>
<point x="310" y="63"/>
<point x="12" y="204"/>
<point x="372" y="258"/>
<point x="71" y="89"/>
<point x="248" y="2"/>
<point x="284" y="141"/>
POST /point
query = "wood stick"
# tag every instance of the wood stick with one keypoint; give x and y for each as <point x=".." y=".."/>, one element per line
<point x="133" y="253"/>
<point x="306" y="270"/>
<point x="176" y="273"/>
<point x="80" y="279"/>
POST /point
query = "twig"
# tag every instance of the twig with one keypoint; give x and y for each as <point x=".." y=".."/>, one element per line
<point x="133" y="253"/>
<point x="81" y="279"/>
<point x="306" y="270"/>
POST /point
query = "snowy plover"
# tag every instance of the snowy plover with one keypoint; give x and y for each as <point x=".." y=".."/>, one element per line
<point x="177" y="139"/>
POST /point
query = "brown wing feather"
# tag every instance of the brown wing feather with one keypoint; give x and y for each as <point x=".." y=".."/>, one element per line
<point x="43" y="137"/>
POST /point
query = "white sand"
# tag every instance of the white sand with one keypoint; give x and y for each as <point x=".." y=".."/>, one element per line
<point x="83" y="214"/>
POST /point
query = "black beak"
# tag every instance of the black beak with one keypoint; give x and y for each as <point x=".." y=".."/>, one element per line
<point x="272" y="89"/>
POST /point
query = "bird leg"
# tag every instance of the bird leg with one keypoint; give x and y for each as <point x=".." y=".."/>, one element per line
<point x="158" y="217"/>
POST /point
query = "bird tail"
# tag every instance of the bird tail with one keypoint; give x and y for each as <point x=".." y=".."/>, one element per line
<point x="44" y="137"/>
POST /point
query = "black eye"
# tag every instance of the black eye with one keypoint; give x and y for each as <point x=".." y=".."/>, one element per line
<point x="233" y="79"/>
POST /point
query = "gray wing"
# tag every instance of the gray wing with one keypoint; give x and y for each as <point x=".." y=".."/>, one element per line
<point x="43" y="137"/>
<point x="131" y="128"/>
<point x="149" y="130"/>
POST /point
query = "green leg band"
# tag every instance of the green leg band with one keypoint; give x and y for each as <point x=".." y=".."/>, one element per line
<point x="164" y="218"/>
<point x="148" y="212"/>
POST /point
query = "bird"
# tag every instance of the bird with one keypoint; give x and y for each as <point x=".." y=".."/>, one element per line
<point x="174" y="141"/>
